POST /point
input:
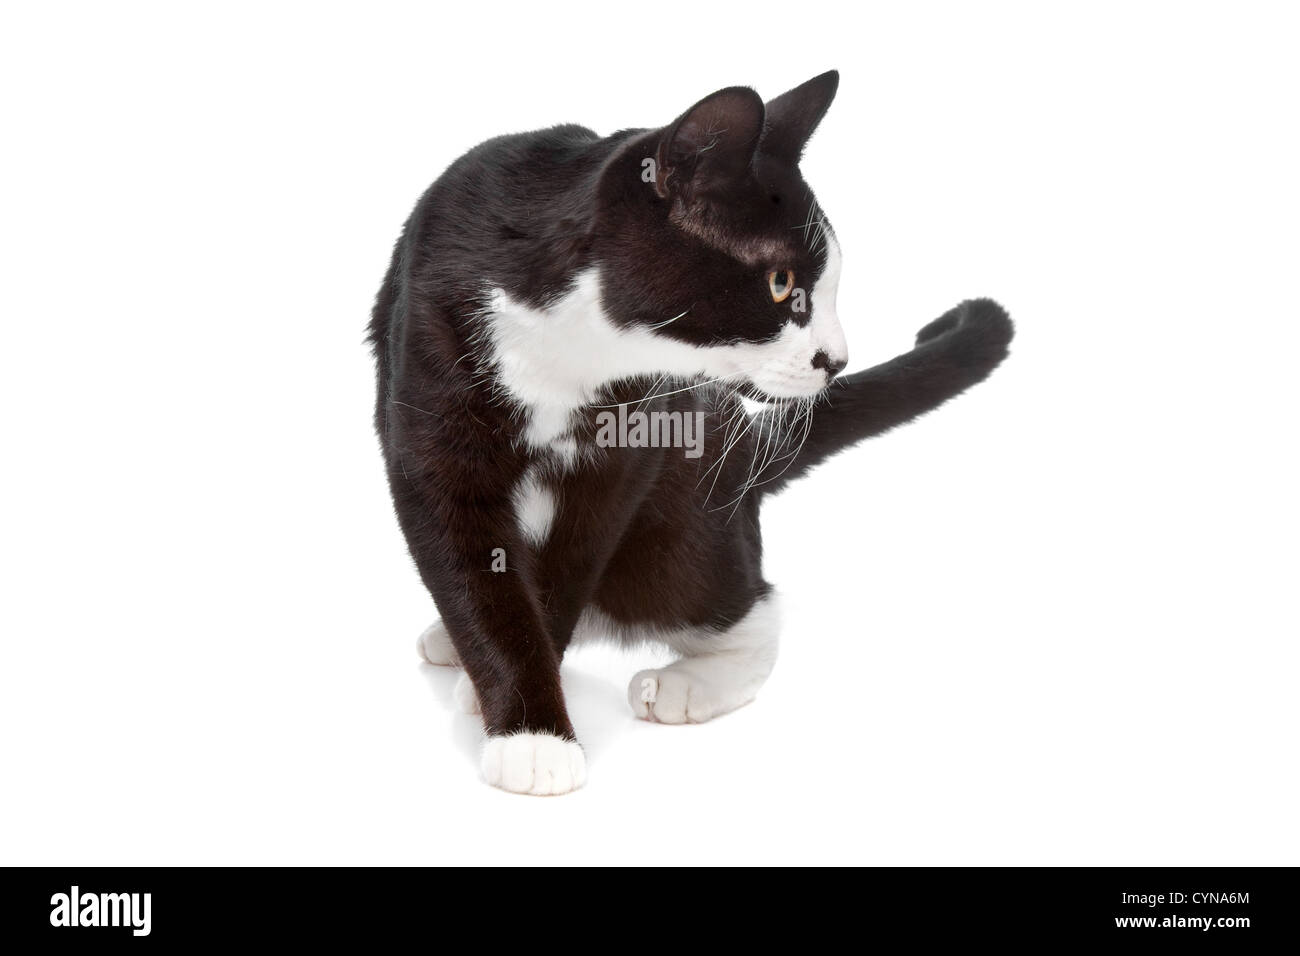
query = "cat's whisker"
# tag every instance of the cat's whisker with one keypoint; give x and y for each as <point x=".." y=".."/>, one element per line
<point x="423" y="411"/>
<point x="660" y="325"/>
<point x="766" y="423"/>
<point x="721" y="461"/>
<point x="823" y="235"/>
<point x="802" y="411"/>
<point x="737" y="411"/>
<point x="723" y="457"/>
<point x="788" y="423"/>
<point x="729" y="442"/>
<point x="652" y="395"/>
<point x="733" y="421"/>
<point x="794" y="455"/>
<point x="776" y="434"/>
<point x="779" y="414"/>
<point x="665" y="394"/>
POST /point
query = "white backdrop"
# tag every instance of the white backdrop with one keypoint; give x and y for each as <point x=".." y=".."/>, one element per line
<point x="1054" y="622"/>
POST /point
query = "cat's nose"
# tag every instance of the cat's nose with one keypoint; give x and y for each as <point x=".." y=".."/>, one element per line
<point x="833" y="366"/>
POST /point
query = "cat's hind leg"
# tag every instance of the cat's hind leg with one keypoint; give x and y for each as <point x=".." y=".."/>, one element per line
<point x="435" y="646"/>
<point x="718" y="671"/>
<point x="466" y="696"/>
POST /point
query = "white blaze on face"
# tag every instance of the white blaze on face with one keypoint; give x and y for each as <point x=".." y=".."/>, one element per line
<point x="828" y="335"/>
<point x="783" y="368"/>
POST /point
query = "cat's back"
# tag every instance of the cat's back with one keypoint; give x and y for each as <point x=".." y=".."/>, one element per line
<point x="510" y="182"/>
<point x="518" y="162"/>
<point x="509" y="214"/>
<point x="501" y="215"/>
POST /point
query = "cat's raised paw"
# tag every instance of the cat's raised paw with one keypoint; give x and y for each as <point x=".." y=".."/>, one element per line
<point x="435" y="646"/>
<point x="539" y="764"/>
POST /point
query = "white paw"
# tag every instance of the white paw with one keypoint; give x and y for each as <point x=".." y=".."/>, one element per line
<point x="673" y="695"/>
<point x="435" y="646"/>
<point x="534" y="763"/>
<point x="465" y="696"/>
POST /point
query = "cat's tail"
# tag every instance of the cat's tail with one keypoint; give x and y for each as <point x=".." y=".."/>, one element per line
<point x="954" y="352"/>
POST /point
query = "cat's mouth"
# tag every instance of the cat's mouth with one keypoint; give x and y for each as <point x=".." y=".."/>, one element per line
<point x="776" y="392"/>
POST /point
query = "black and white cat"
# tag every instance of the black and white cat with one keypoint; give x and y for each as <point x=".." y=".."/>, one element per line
<point x="550" y="278"/>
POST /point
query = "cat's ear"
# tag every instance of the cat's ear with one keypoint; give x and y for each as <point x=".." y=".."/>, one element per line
<point x="711" y="145"/>
<point x="793" y="116"/>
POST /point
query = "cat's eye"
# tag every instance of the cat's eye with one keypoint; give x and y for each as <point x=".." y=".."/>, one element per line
<point x="780" y="282"/>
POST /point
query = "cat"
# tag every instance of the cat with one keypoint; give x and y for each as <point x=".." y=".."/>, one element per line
<point x="552" y="277"/>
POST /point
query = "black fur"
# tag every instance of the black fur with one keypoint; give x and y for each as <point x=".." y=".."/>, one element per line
<point x="954" y="352"/>
<point x="637" y="533"/>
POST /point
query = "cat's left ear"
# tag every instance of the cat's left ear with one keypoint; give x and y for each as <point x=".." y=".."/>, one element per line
<point x="793" y="116"/>
<point x="711" y="145"/>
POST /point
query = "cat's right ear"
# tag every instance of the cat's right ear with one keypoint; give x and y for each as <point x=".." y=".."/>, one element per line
<point x="793" y="116"/>
<point x="711" y="145"/>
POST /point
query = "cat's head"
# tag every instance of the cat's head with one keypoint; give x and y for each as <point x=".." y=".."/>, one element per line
<point x="720" y="245"/>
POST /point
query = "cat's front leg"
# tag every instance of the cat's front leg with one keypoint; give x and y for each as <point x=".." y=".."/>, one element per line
<point x="515" y="675"/>
<point x="512" y="677"/>
<point x="718" y="671"/>
<point x="478" y="571"/>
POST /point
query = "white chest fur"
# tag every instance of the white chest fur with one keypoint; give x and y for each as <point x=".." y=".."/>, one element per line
<point x="553" y="360"/>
